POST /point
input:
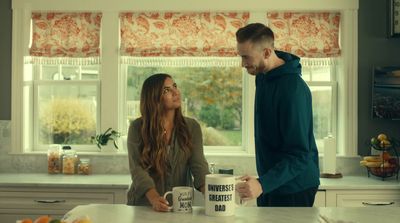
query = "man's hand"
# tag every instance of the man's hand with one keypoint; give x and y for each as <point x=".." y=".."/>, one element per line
<point x="249" y="189"/>
<point x="157" y="202"/>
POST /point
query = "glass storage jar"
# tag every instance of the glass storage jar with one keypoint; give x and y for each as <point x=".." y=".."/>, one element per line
<point x="54" y="159"/>
<point x="69" y="161"/>
<point x="85" y="167"/>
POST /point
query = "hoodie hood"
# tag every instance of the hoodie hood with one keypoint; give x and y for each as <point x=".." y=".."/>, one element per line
<point x="291" y="66"/>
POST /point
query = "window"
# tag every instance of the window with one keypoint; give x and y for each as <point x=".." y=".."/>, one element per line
<point x="105" y="87"/>
<point x="203" y="64"/>
<point x="61" y="80"/>
<point x="320" y="75"/>
<point x="66" y="98"/>
<point x="211" y="95"/>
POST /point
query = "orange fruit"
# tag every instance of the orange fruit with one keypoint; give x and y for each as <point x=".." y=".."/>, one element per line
<point x="42" y="219"/>
<point x="26" y="220"/>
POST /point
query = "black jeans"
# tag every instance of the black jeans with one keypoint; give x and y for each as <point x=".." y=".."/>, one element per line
<point x="303" y="198"/>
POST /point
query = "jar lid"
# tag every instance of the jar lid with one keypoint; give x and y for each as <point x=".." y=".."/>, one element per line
<point x="85" y="160"/>
<point x="66" y="147"/>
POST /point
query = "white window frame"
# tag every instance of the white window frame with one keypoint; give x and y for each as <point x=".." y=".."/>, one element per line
<point x="110" y="78"/>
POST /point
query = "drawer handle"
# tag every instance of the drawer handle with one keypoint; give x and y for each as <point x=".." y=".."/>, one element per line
<point x="50" y="201"/>
<point x="378" y="203"/>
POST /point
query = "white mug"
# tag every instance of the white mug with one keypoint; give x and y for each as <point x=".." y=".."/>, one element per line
<point x="182" y="198"/>
<point x="220" y="195"/>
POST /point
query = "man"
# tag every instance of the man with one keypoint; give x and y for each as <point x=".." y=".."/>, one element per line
<point x="286" y="153"/>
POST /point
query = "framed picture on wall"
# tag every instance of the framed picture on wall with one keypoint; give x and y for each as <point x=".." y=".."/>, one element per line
<point x="386" y="93"/>
<point x="394" y="18"/>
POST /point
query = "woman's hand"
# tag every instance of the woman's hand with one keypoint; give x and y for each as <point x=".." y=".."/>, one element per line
<point x="202" y="189"/>
<point x="157" y="202"/>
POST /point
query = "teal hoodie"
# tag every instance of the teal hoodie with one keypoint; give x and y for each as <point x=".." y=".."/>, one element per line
<point x="286" y="153"/>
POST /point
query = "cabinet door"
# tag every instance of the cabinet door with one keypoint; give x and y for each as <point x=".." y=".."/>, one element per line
<point x="367" y="198"/>
<point x="320" y="199"/>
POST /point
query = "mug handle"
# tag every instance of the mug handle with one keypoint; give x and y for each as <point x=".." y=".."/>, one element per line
<point x="238" y="200"/>
<point x="165" y="197"/>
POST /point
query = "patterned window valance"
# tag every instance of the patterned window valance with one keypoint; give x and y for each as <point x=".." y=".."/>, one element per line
<point x="65" y="34"/>
<point x="313" y="35"/>
<point x="173" y="34"/>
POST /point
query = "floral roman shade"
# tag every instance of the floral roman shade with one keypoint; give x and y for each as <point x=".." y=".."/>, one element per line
<point x="73" y="35"/>
<point x="312" y="35"/>
<point x="172" y="34"/>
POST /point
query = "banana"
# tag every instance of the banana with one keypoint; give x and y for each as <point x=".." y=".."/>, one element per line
<point x="373" y="158"/>
<point x="373" y="164"/>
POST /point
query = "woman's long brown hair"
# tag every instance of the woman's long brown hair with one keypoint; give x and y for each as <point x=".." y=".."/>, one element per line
<point x="153" y="145"/>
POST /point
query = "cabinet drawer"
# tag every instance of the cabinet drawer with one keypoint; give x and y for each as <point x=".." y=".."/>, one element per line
<point x="51" y="200"/>
<point x="365" y="200"/>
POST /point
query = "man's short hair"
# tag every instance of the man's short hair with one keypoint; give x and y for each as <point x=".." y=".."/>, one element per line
<point x="255" y="33"/>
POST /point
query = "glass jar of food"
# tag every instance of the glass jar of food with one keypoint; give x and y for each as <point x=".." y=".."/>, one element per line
<point x="85" y="167"/>
<point x="54" y="159"/>
<point x="69" y="161"/>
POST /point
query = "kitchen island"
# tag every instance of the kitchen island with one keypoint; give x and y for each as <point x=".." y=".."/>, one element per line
<point x="119" y="213"/>
<point x="31" y="195"/>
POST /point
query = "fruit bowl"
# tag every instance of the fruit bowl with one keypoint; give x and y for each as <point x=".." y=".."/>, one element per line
<point x="383" y="171"/>
<point x="382" y="166"/>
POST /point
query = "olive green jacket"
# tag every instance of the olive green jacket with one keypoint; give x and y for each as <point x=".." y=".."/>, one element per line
<point x="183" y="171"/>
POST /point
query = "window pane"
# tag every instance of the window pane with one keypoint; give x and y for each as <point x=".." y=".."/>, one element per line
<point x="90" y="72"/>
<point x="211" y="95"/>
<point x="322" y="112"/>
<point x="306" y="73"/>
<point x="70" y="72"/>
<point x="51" y="72"/>
<point x="66" y="114"/>
<point x="320" y="73"/>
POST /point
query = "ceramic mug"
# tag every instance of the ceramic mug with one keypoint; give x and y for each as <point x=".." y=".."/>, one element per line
<point x="182" y="198"/>
<point x="220" y="195"/>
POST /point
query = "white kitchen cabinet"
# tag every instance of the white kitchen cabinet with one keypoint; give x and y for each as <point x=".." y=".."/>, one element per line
<point x="23" y="202"/>
<point x="320" y="199"/>
<point x="363" y="198"/>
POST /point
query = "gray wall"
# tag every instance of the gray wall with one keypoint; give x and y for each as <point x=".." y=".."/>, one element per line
<point x="5" y="60"/>
<point x="374" y="49"/>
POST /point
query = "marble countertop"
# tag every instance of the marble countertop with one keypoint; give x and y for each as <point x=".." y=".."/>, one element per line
<point x="105" y="213"/>
<point x="124" y="180"/>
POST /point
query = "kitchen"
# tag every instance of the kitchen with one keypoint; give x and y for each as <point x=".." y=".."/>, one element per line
<point x="370" y="39"/>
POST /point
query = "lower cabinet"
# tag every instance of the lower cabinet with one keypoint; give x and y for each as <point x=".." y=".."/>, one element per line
<point x="19" y="203"/>
<point x="363" y="198"/>
<point x="320" y="200"/>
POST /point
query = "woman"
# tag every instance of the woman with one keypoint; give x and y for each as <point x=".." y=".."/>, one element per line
<point x="165" y="149"/>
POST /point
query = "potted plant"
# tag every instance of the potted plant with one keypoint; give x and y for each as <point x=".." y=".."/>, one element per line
<point x="103" y="138"/>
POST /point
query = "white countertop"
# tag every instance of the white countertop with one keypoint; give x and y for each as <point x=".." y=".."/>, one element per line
<point x="105" y="213"/>
<point x="123" y="181"/>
